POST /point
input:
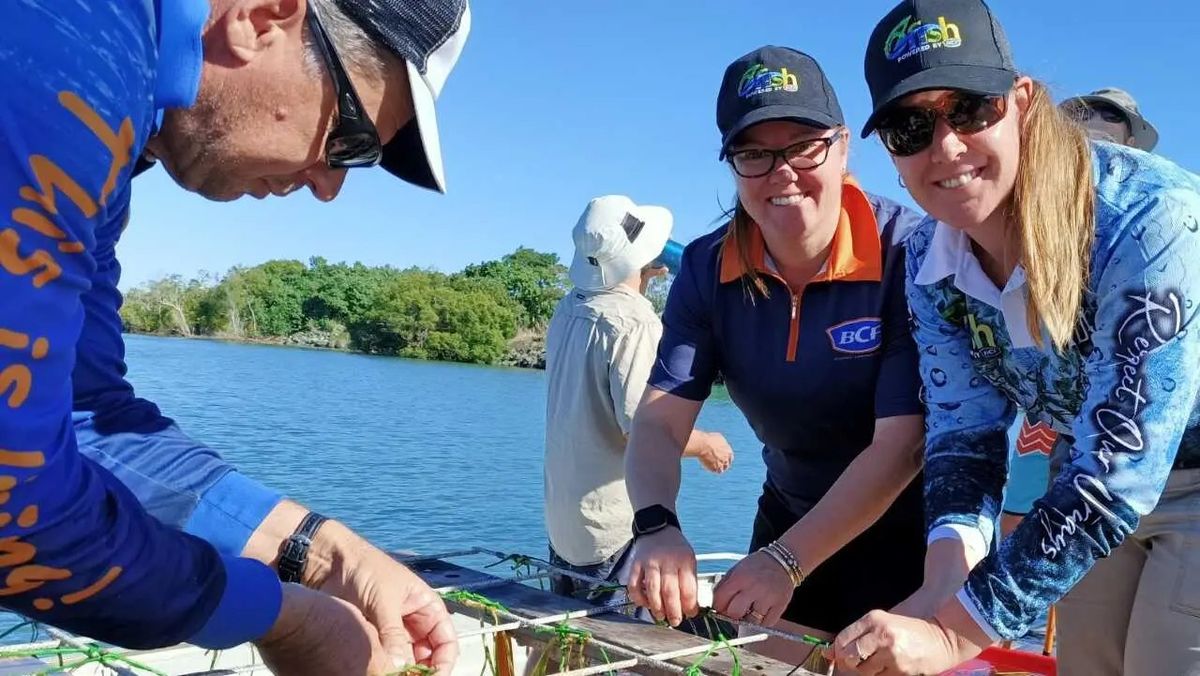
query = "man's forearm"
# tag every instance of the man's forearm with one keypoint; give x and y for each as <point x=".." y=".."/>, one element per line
<point x="333" y="545"/>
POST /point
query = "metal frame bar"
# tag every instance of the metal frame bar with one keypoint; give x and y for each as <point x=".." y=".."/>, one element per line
<point x="517" y="622"/>
<point x="542" y="621"/>
<point x="740" y="623"/>
<point x="657" y="661"/>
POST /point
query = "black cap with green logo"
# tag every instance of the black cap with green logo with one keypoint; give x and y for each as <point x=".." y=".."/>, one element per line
<point x="936" y="44"/>
<point x="774" y="83"/>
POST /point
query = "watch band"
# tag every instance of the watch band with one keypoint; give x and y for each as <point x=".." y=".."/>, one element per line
<point x="293" y="555"/>
<point x="667" y="519"/>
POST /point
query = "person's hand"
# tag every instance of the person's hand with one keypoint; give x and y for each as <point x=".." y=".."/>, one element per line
<point x="317" y="634"/>
<point x="893" y="645"/>
<point x="662" y="576"/>
<point x="757" y="589"/>
<point x="717" y="455"/>
<point x="411" y="619"/>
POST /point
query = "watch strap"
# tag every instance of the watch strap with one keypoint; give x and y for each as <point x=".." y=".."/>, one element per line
<point x="293" y="555"/>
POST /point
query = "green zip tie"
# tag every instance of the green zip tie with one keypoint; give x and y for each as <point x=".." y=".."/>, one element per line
<point x="92" y="654"/>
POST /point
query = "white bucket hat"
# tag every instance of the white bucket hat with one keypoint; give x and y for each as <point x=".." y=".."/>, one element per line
<point x="614" y="239"/>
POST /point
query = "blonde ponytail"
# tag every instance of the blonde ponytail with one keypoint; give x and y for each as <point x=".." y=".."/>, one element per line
<point x="1053" y="206"/>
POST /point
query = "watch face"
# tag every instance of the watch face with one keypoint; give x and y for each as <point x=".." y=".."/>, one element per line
<point x="651" y="519"/>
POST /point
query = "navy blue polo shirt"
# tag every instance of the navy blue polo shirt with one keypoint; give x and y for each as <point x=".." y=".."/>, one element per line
<point x="810" y="370"/>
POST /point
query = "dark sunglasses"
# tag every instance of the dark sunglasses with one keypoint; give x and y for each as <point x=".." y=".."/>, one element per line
<point x="907" y="130"/>
<point x="353" y="141"/>
<point x="1108" y="113"/>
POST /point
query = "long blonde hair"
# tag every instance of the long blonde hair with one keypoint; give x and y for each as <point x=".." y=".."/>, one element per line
<point x="1053" y="206"/>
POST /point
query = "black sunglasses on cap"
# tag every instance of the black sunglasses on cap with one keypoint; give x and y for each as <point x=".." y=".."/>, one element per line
<point x="353" y="141"/>
<point x="907" y="130"/>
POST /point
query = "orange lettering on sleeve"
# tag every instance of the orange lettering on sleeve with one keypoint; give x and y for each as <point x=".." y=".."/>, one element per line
<point x="20" y="379"/>
<point x="13" y="552"/>
<point x="28" y="517"/>
<point x="37" y="222"/>
<point x="22" y="459"/>
<point x="5" y="519"/>
<point x="28" y="578"/>
<point x="20" y="341"/>
<point x="94" y="588"/>
<point x="13" y="340"/>
<point x="119" y="143"/>
<point x="50" y="178"/>
<point x="11" y="260"/>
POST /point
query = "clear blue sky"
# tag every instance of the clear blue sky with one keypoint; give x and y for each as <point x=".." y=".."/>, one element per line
<point x="556" y="102"/>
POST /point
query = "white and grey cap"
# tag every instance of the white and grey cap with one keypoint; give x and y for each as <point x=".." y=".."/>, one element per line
<point x="429" y="35"/>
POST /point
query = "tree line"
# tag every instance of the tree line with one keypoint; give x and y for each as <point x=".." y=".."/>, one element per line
<point x="468" y="316"/>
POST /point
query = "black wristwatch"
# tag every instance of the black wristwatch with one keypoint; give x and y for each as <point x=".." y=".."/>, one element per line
<point x="653" y="519"/>
<point x="293" y="554"/>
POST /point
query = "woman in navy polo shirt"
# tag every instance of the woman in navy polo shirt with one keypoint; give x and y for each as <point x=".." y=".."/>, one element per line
<point x="799" y="303"/>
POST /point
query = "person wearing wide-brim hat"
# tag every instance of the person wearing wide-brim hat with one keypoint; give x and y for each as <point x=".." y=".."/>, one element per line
<point x="600" y="347"/>
<point x="1111" y="114"/>
<point x="1057" y="275"/>
<point x="797" y="300"/>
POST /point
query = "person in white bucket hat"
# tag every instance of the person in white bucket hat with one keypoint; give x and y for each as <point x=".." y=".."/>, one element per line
<point x="600" y="347"/>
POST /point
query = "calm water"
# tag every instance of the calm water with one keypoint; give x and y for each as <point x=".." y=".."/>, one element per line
<point x="412" y="454"/>
<point x="415" y="455"/>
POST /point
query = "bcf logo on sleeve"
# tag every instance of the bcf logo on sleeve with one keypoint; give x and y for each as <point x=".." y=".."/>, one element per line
<point x="856" y="336"/>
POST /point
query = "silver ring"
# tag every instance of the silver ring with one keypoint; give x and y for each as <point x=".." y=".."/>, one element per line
<point x="758" y="617"/>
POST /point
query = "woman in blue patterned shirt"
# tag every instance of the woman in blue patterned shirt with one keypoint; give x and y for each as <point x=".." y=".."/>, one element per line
<point x="1060" y="276"/>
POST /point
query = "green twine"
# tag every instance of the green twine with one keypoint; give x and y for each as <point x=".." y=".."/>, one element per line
<point x="414" y="670"/>
<point x="721" y="642"/>
<point x="708" y="615"/>
<point x="478" y="600"/>
<point x="567" y="639"/>
<point x="484" y="603"/>
<point x="520" y="561"/>
<point x="92" y="654"/>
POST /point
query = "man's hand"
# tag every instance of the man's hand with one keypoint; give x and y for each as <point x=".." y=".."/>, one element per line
<point x="317" y="634"/>
<point x="410" y="620"/>
<point x="717" y="454"/>
<point x="413" y="624"/>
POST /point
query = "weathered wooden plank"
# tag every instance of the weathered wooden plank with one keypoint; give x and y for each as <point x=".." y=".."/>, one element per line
<point x="634" y="635"/>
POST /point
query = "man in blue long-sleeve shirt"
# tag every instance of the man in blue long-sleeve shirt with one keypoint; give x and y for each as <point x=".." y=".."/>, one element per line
<point x="232" y="97"/>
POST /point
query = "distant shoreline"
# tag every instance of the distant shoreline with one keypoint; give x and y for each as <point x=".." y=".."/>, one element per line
<point x="525" y="351"/>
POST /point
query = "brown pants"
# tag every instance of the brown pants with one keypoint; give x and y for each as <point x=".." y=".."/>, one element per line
<point x="1137" y="612"/>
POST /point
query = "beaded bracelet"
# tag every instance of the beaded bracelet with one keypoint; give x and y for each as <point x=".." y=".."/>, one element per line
<point x="784" y="557"/>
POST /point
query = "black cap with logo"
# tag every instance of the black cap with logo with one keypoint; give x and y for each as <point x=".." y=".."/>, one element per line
<point x="936" y="44"/>
<point x="774" y="83"/>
